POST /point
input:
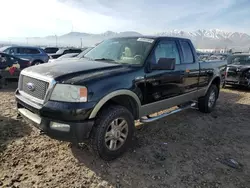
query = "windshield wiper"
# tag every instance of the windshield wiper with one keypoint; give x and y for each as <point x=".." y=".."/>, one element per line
<point x="104" y="59"/>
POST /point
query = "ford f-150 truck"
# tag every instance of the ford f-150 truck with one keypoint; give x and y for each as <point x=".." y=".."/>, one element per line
<point x="96" y="99"/>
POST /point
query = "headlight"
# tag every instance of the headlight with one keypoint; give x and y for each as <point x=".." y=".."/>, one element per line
<point x="69" y="93"/>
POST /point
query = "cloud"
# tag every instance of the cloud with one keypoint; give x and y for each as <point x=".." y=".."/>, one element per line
<point x="49" y="17"/>
<point x="147" y="15"/>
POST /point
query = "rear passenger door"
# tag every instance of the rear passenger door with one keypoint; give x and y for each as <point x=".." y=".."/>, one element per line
<point x="22" y="53"/>
<point x="189" y="66"/>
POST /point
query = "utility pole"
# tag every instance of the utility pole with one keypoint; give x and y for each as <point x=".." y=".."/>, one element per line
<point x="56" y="39"/>
<point x="81" y="42"/>
<point x="27" y="40"/>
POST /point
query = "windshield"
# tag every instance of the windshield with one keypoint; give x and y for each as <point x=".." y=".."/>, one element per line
<point x="122" y="50"/>
<point x="60" y="51"/>
<point x="241" y="60"/>
<point x="4" y="48"/>
<point x="81" y="55"/>
<point x="68" y="55"/>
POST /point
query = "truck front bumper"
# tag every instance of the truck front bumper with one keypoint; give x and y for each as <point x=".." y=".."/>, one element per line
<point x="59" y="122"/>
<point x="238" y="81"/>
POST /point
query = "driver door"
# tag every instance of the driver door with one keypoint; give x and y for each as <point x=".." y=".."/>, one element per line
<point x="163" y="84"/>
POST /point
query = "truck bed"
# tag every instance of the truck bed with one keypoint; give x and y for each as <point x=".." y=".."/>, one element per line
<point x="214" y="63"/>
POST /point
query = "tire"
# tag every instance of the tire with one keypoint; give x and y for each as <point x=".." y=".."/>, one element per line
<point x="206" y="104"/>
<point x="224" y="85"/>
<point x="103" y="129"/>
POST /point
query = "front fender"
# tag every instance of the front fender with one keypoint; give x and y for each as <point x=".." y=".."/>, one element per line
<point x="111" y="95"/>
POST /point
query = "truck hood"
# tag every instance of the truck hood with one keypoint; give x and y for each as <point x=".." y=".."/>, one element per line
<point x="76" y="70"/>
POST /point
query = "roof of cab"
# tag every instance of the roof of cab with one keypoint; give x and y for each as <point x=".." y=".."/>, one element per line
<point x="153" y="37"/>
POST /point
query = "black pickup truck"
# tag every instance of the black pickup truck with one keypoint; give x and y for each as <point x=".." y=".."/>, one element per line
<point x="96" y="99"/>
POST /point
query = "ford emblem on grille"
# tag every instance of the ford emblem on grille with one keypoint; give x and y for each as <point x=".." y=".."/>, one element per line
<point x="30" y="86"/>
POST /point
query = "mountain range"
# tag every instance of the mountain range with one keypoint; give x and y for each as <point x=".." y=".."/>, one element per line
<point x="213" y="38"/>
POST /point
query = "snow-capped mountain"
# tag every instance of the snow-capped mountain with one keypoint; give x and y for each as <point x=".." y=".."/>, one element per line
<point x="213" y="38"/>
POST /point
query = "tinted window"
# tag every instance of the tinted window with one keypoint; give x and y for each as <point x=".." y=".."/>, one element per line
<point x="165" y="49"/>
<point x="67" y="51"/>
<point x="27" y="51"/>
<point x="240" y="60"/>
<point x="75" y="51"/>
<point x="187" y="52"/>
<point x="51" y="50"/>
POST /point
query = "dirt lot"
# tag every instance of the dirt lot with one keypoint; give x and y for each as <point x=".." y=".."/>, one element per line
<point x="183" y="150"/>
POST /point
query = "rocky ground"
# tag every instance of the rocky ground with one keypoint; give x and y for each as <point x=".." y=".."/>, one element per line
<point x="184" y="150"/>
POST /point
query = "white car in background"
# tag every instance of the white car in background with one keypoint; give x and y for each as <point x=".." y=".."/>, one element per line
<point x="72" y="56"/>
<point x="65" y="56"/>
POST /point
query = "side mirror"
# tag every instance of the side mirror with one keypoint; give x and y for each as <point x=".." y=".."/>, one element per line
<point x="164" y="64"/>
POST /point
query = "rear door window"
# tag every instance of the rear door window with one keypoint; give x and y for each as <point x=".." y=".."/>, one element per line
<point x="166" y="49"/>
<point x="187" y="52"/>
<point x="28" y="51"/>
<point x="32" y="51"/>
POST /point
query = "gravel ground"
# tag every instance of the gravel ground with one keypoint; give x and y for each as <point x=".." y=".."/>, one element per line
<point x="183" y="150"/>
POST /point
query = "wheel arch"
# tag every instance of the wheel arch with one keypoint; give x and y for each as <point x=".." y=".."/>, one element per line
<point x="122" y="97"/>
<point x="217" y="82"/>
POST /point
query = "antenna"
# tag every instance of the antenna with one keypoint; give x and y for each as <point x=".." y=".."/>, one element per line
<point x="72" y="27"/>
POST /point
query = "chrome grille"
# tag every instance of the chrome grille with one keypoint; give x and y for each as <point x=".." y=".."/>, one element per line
<point x="40" y="87"/>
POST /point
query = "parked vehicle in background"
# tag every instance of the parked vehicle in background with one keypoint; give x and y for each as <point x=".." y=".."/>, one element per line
<point x="96" y="99"/>
<point x="65" y="56"/>
<point x="71" y="56"/>
<point x="63" y="51"/>
<point x="82" y="54"/>
<point x="10" y="67"/>
<point x="238" y="70"/>
<point x="34" y="54"/>
<point x="51" y="50"/>
<point x="218" y="57"/>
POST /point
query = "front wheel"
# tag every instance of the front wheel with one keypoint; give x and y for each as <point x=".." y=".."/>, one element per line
<point x="207" y="103"/>
<point x="113" y="132"/>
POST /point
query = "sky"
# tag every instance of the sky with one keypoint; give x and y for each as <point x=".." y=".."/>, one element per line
<point x="38" y="18"/>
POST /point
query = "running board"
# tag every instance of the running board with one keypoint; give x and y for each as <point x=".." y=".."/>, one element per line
<point x="151" y="119"/>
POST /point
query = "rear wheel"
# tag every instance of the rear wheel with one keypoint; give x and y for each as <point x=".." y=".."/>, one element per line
<point x="113" y="132"/>
<point x="207" y="103"/>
